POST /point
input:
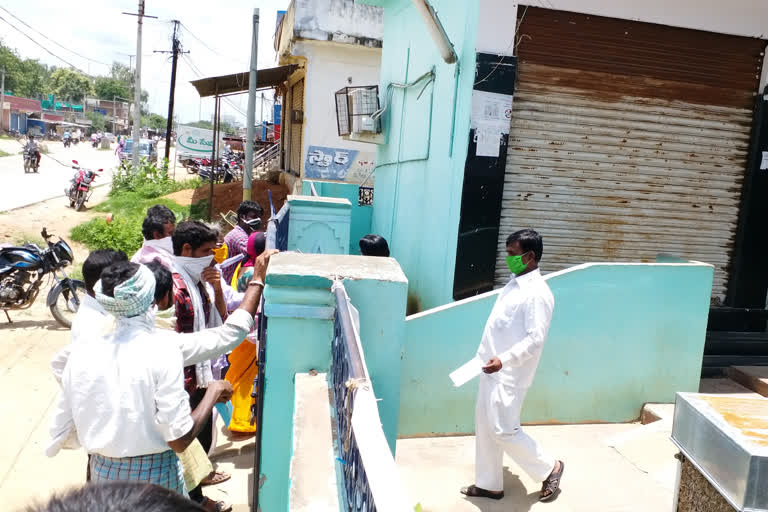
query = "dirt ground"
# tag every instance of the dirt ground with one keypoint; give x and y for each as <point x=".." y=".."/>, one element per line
<point x="228" y="196"/>
<point x="55" y="215"/>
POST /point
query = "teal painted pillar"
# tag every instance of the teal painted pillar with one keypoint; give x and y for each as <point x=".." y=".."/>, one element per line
<point x="299" y="333"/>
<point x="319" y="225"/>
<point x="300" y="309"/>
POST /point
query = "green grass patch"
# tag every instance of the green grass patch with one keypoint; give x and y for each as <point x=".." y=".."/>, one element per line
<point x="3" y="153"/>
<point x="131" y="195"/>
<point x="105" y="149"/>
<point x="76" y="272"/>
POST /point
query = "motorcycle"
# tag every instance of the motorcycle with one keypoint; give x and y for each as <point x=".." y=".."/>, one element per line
<point x="67" y="142"/>
<point x="95" y="141"/>
<point x="79" y="190"/>
<point x="22" y="270"/>
<point x="31" y="162"/>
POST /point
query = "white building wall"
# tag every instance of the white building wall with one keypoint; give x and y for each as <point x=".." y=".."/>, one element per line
<point x="345" y="21"/>
<point x="330" y="67"/>
<point x="736" y="17"/>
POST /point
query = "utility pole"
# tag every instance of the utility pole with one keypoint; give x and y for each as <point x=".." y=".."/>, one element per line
<point x="175" y="51"/>
<point x="137" y="85"/>
<point x="2" y="99"/>
<point x="251" y="112"/>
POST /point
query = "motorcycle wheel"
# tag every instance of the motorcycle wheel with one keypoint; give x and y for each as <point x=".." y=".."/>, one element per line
<point x="80" y="200"/>
<point x="26" y="166"/>
<point x="64" y="307"/>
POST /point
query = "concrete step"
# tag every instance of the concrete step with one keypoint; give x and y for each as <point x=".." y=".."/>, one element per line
<point x="656" y="412"/>
<point x="754" y="378"/>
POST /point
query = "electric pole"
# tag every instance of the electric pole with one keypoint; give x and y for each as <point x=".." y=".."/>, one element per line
<point x="175" y="51"/>
<point x="251" y="112"/>
<point x="2" y="99"/>
<point x="137" y="86"/>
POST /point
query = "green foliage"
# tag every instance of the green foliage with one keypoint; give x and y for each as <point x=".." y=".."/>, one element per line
<point x="26" y="238"/>
<point x="122" y="234"/>
<point x="3" y="153"/>
<point x="98" y="120"/>
<point x="108" y="88"/>
<point x="155" y="122"/>
<point x="25" y="77"/>
<point x="208" y="125"/>
<point x="149" y="181"/>
<point x="70" y="85"/>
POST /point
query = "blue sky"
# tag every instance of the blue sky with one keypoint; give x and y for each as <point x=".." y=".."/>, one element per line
<point x="98" y="30"/>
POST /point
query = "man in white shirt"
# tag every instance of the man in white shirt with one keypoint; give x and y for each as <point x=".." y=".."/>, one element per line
<point x="90" y="316"/>
<point x="157" y="229"/>
<point x="128" y="409"/>
<point x="512" y="343"/>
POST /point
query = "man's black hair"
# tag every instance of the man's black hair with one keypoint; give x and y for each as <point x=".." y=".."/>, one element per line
<point x="194" y="233"/>
<point x="247" y="207"/>
<point x="123" y="496"/>
<point x="529" y="240"/>
<point x="157" y="217"/>
<point x="163" y="279"/>
<point x="374" y="245"/>
<point x="116" y="274"/>
<point x="96" y="262"/>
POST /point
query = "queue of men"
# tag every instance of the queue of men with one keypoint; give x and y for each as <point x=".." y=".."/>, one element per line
<point x="139" y="398"/>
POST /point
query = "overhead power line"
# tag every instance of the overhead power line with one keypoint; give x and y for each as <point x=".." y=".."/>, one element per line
<point x="44" y="48"/>
<point x="51" y="40"/>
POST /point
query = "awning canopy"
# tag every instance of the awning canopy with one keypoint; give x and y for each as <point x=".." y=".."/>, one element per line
<point x="239" y="82"/>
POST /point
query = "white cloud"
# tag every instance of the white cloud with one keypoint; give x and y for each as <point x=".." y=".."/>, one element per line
<point x="99" y="31"/>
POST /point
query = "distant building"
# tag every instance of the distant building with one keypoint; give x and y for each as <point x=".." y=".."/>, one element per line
<point x="335" y="43"/>
<point x="16" y="111"/>
<point x="118" y="113"/>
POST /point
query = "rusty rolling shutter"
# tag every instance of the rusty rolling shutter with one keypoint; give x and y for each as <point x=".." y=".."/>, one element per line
<point x="628" y="139"/>
<point x="297" y="128"/>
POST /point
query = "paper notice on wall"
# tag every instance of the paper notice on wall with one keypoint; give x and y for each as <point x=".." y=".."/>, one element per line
<point x="467" y="372"/>
<point x="764" y="161"/>
<point x="491" y="107"/>
<point x="488" y="137"/>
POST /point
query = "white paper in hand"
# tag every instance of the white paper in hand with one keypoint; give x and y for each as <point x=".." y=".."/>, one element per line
<point x="467" y="371"/>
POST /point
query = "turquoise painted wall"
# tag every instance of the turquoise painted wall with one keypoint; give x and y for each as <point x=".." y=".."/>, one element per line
<point x="382" y="331"/>
<point x="361" y="215"/>
<point x="417" y="203"/>
<point x="296" y="343"/>
<point x="621" y="336"/>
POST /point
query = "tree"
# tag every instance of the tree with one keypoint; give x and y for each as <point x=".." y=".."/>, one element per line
<point x="98" y="120"/>
<point x="225" y="127"/>
<point x="122" y="73"/>
<point x="109" y="88"/>
<point x="154" y="122"/>
<point x="24" y="77"/>
<point x="70" y="85"/>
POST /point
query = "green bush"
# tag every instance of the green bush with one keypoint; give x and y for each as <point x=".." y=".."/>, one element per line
<point x="149" y="181"/>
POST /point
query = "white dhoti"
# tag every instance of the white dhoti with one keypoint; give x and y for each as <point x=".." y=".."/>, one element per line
<point x="497" y="430"/>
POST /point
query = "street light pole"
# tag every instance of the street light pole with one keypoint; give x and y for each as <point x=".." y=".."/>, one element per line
<point x="251" y="113"/>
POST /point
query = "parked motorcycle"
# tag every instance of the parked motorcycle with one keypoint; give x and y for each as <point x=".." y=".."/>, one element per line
<point x="31" y="162"/>
<point x="22" y="270"/>
<point x="79" y="190"/>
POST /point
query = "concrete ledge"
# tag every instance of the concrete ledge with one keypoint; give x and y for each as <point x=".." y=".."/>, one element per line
<point x="313" y="474"/>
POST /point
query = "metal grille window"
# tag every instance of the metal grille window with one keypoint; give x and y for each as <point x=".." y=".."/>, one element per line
<point x="354" y="109"/>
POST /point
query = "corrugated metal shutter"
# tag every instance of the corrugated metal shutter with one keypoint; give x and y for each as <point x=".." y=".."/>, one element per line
<point x="297" y="103"/>
<point x="628" y="139"/>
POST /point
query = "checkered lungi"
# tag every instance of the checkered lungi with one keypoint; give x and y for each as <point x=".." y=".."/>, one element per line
<point x="163" y="469"/>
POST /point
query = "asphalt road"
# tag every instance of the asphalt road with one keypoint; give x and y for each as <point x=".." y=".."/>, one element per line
<point x="18" y="189"/>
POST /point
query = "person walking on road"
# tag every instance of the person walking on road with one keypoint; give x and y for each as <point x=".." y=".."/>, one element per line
<point x="512" y="343"/>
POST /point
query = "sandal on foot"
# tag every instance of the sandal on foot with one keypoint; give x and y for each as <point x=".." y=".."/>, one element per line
<point x="215" y="506"/>
<point x="215" y="478"/>
<point x="551" y="484"/>
<point x="477" y="492"/>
